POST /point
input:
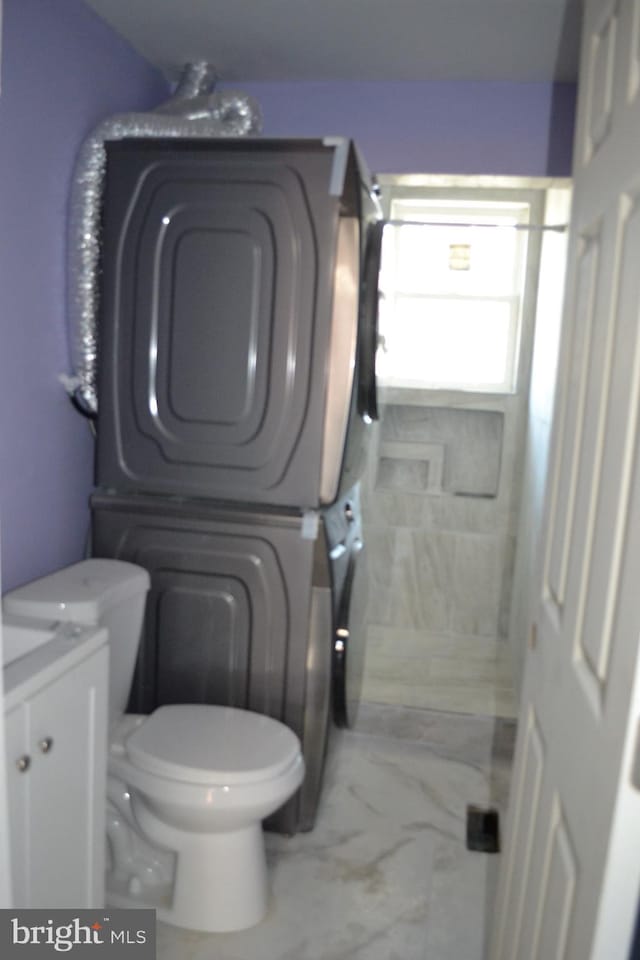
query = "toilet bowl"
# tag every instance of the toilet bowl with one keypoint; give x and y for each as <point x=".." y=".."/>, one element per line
<point x="201" y="780"/>
<point x="189" y="784"/>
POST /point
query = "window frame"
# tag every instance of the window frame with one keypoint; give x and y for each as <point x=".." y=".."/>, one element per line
<point x="476" y="195"/>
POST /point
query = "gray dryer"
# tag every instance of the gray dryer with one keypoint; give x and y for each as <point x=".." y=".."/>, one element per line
<point x="236" y="347"/>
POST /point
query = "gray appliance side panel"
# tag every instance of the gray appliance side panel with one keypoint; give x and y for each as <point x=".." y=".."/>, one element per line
<point x="317" y="707"/>
<point x="348" y="559"/>
<point x="218" y="273"/>
<point x="341" y="358"/>
<point x="363" y="405"/>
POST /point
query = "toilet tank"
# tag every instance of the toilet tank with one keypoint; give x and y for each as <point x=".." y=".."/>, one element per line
<point x="111" y="593"/>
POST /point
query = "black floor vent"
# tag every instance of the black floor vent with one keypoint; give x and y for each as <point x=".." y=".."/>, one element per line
<point x="483" y="830"/>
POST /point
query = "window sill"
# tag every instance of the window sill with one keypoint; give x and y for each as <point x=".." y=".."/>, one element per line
<point x="460" y="399"/>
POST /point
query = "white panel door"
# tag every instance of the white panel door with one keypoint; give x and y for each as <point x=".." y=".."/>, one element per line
<point x="571" y="871"/>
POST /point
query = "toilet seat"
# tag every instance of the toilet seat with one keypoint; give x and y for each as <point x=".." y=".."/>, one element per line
<point x="206" y="744"/>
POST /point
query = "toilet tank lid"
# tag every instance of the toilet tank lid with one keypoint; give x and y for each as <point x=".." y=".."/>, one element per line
<point x="82" y="592"/>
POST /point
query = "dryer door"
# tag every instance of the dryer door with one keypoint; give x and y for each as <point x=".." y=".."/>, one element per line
<point x="349" y="638"/>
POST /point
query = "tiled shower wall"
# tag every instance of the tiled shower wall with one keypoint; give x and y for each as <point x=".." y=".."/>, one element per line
<point x="441" y="517"/>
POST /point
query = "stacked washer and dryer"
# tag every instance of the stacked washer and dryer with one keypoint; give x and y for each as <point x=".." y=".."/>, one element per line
<point x="236" y="385"/>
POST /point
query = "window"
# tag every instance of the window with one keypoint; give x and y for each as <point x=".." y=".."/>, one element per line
<point x="452" y="281"/>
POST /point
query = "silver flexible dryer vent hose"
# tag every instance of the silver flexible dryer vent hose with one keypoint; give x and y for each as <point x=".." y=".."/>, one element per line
<point x="194" y="110"/>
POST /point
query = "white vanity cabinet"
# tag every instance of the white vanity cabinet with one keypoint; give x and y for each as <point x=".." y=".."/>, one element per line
<point x="56" y="737"/>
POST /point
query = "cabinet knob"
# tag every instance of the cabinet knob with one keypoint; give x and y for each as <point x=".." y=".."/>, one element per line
<point x="46" y="744"/>
<point x="23" y="763"/>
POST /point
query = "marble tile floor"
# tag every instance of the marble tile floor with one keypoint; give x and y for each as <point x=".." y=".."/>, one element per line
<point x="385" y="874"/>
<point x="415" y="668"/>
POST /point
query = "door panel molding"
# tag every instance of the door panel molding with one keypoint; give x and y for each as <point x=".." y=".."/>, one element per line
<point x="559" y="883"/>
<point x="569" y="437"/>
<point x="526" y="789"/>
<point x="600" y="78"/>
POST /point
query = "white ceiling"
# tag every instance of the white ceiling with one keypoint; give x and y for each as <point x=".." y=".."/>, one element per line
<point x="519" y="40"/>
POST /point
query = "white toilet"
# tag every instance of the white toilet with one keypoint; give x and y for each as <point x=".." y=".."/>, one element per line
<point x="188" y="785"/>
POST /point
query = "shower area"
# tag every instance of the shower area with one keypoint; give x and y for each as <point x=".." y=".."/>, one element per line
<point x="471" y="298"/>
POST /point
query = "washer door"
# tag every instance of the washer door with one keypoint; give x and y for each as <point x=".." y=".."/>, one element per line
<point x="349" y="639"/>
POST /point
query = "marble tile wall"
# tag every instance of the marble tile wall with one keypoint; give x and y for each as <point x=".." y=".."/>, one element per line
<point x="467" y="442"/>
<point x="441" y="558"/>
<point x="421" y="669"/>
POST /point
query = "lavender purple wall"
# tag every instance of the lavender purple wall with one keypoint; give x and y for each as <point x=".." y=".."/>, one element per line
<point x="523" y="129"/>
<point x="63" y="70"/>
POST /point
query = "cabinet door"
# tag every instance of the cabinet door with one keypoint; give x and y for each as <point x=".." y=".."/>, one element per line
<point x="18" y="761"/>
<point x="67" y="787"/>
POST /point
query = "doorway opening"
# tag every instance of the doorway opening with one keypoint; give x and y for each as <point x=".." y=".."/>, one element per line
<point x="471" y="300"/>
